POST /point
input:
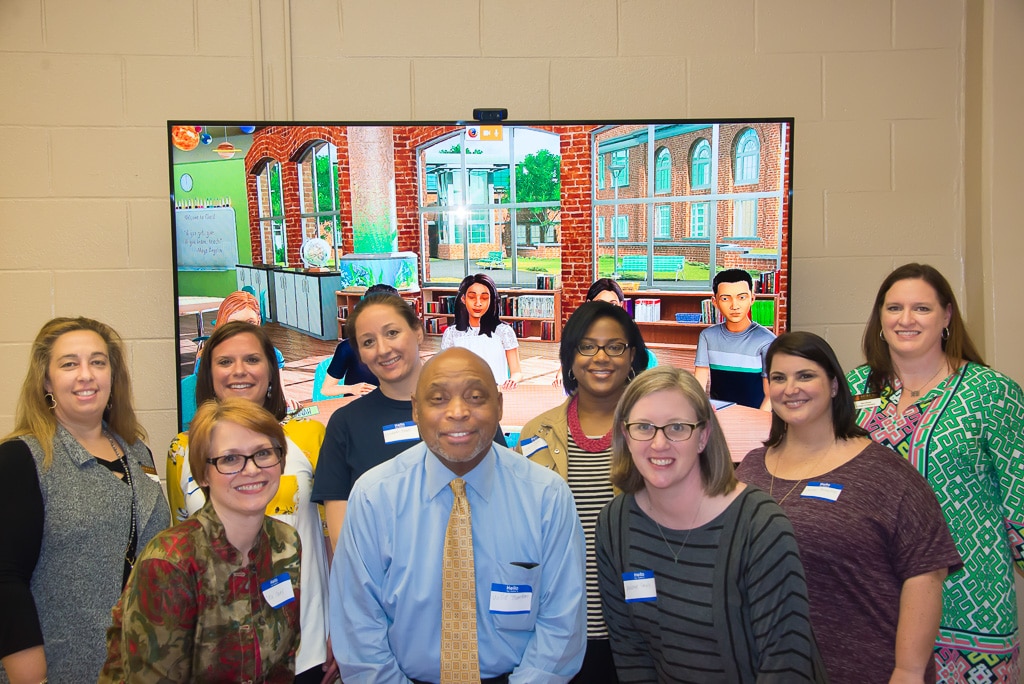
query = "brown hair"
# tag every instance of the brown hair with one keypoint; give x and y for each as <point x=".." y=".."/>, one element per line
<point x="238" y="411"/>
<point x="34" y="416"/>
<point x="385" y="299"/>
<point x="716" y="469"/>
<point x="274" y="401"/>
<point x="957" y="345"/>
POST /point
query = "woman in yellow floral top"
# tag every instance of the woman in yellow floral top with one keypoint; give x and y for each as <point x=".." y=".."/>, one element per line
<point x="216" y="598"/>
<point x="240" y="363"/>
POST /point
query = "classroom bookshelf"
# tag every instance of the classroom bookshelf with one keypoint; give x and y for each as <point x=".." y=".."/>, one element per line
<point x="696" y="312"/>
<point x="533" y="314"/>
<point x="347" y="300"/>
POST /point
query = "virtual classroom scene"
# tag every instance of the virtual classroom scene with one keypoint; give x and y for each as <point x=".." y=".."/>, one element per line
<point x="306" y="217"/>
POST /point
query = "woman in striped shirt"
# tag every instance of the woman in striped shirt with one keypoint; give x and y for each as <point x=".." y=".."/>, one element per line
<point x="699" y="574"/>
<point x="601" y="351"/>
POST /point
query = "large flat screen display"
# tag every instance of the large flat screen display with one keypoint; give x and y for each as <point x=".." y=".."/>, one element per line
<point x="303" y="216"/>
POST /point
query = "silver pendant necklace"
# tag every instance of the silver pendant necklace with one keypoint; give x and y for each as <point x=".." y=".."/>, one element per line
<point x="676" y="554"/>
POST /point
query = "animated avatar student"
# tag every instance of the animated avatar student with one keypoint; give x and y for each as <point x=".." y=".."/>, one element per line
<point x="732" y="353"/>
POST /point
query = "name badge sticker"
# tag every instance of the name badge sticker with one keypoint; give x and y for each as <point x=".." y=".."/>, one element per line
<point x="532" y="445"/>
<point x="401" y="432"/>
<point x="639" y="586"/>
<point x="278" y="591"/>
<point x="863" y="402"/>
<point x="151" y="473"/>
<point x="826" y="491"/>
<point x="511" y="599"/>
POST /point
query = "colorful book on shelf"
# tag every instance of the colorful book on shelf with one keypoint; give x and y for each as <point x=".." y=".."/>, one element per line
<point x="647" y="310"/>
<point x="767" y="282"/>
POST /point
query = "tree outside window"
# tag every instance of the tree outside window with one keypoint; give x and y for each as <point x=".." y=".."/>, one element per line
<point x="318" y="198"/>
<point x="270" y="201"/>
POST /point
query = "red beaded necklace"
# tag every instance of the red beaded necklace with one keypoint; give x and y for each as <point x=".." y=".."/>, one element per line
<point x="576" y="430"/>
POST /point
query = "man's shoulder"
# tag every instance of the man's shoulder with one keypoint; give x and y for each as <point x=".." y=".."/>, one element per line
<point x="522" y="468"/>
<point x="760" y="332"/>
<point x="713" y="333"/>
<point x="710" y="331"/>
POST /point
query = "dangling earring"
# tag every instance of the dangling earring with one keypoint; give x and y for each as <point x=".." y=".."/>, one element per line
<point x="631" y="375"/>
<point x="880" y="335"/>
<point x="945" y="333"/>
<point x="270" y="386"/>
<point x="51" y="403"/>
<point x="110" y="401"/>
<point x="571" y="376"/>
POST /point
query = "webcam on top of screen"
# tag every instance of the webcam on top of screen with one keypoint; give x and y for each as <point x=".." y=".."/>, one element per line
<point x="488" y="115"/>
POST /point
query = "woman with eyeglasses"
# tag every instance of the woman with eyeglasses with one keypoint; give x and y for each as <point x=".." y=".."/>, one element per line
<point x="239" y="364"/>
<point x="216" y="598"/>
<point x="699" y="575"/>
<point x="871" y="533"/>
<point x="600" y="352"/>
<point x="607" y="290"/>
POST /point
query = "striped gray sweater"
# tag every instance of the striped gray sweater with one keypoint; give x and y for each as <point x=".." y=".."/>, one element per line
<point x="732" y="609"/>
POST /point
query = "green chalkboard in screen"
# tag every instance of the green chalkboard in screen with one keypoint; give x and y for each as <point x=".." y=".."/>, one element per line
<point x="206" y="239"/>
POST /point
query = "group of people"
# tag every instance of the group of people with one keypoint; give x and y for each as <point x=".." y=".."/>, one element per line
<point x="872" y="538"/>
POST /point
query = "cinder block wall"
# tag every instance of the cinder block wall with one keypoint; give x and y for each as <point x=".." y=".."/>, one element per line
<point x="906" y="144"/>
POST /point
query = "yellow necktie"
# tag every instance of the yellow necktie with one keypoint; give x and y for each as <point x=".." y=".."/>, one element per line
<point x="459" y="660"/>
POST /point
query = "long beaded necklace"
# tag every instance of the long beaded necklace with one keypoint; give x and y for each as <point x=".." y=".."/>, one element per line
<point x="130" y="547"/>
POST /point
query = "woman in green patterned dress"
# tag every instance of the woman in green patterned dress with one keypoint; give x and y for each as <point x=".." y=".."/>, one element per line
<point x="926" y="394"/>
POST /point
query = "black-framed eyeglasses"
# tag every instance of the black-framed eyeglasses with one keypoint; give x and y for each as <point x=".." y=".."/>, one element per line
<point x="231" y="464"/>
<point x="674" y="432"/>
<point x="611" y="349"/>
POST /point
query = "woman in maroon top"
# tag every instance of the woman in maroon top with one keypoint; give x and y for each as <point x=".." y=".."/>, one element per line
<point x="873" y="541"/>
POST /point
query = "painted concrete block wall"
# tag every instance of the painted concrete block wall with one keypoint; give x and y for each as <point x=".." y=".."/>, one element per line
<point x="877" y="88"/>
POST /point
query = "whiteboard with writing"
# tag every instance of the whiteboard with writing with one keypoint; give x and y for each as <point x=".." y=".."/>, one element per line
<point x="206" y="239"/>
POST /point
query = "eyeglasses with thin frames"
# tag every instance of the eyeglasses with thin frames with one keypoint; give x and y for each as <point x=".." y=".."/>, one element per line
<point x="231" y="464"/>
<point x="611" y="349"/>
<point x="674" y="432"/>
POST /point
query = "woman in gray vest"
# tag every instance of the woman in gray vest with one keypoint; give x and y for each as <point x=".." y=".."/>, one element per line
<point x="81" y="498"/>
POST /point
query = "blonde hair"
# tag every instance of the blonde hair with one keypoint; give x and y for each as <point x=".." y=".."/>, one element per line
<point x="35" y="417"/>
<point x="241" y="412"/>
<point x="716" y="470"/>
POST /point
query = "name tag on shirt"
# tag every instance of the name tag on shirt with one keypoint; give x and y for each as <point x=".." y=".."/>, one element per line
<point x="307" y="411"/>
<point x="511" y="599"/>
<point x="639" y="586"/>
<point x="278" y="591"/>
<point x="151" y="473"/>
<point x="821" y="490"/>
<point x="401" y="432"/>
<point x="862" y="402"/>
<point x="532" y="445"/>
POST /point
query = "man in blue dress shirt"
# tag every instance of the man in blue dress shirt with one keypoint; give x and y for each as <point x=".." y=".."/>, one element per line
<point x="385" y="598"/>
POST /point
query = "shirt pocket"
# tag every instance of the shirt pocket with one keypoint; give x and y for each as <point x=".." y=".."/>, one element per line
<point x="510" y="574"/>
